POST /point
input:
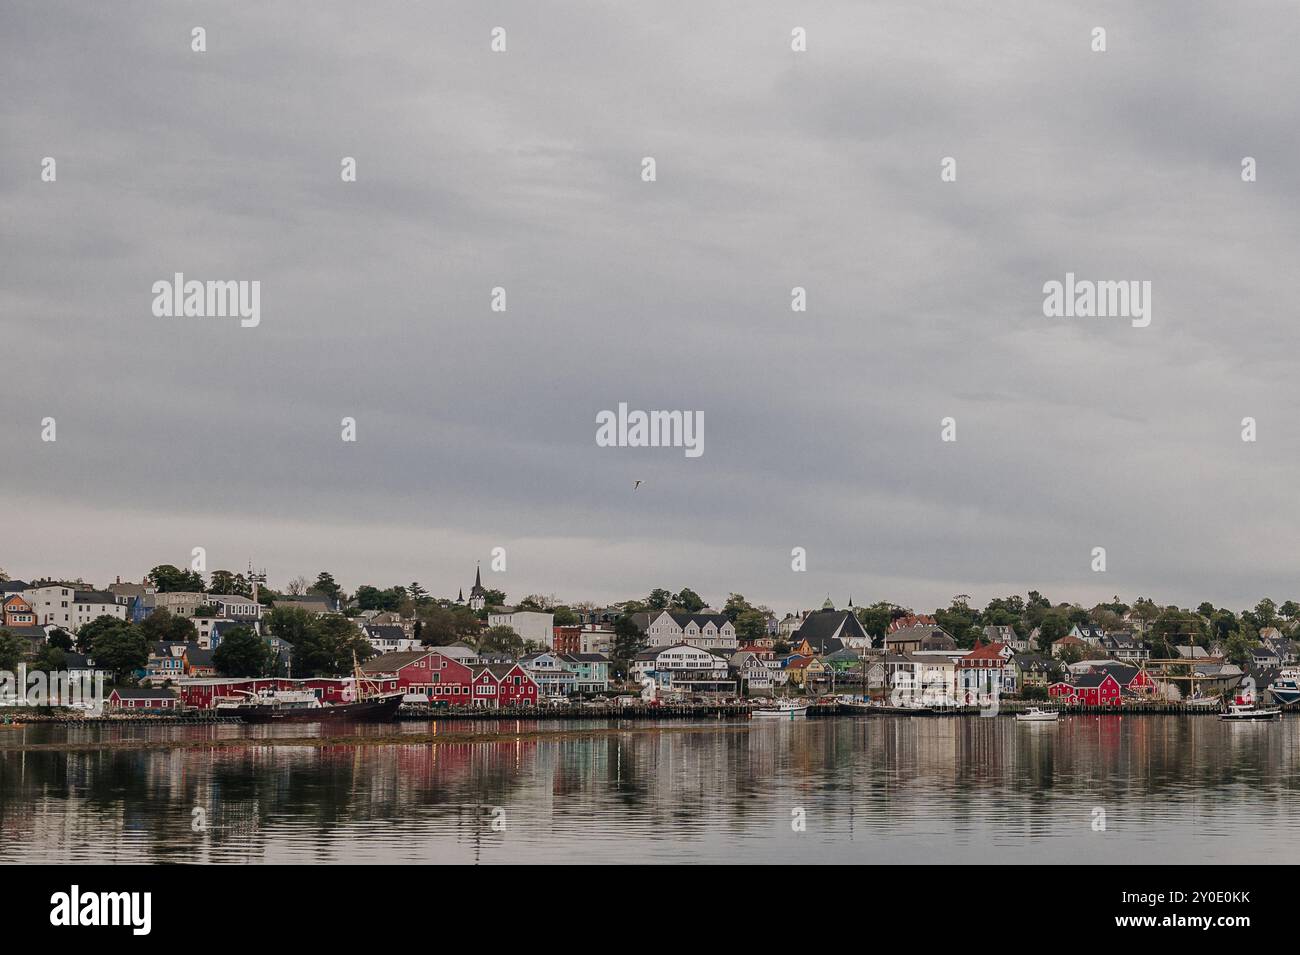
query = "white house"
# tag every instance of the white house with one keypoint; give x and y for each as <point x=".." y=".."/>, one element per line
<point x="704" y="630"/>
<point x="1088" y="632"/>
<point x="754" y="673"/>
<point x="69" y="608"/>
<point x="532" y="625"/>
<point x="686" y="668"/>
<point x="387" y="639"/>
<point x="549" y="672"/>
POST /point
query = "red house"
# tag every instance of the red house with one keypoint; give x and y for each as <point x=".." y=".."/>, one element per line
<point x="427" y="673"/>
<point x="17" y="612"/>
<point x="1090" y="689"/>
<point x="1132" y="679"/>
<point x="142" y="699"/>
<point x="497" y="685"/>
<point x="567" y="639"/>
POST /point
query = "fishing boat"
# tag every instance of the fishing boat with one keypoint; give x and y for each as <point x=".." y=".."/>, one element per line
<point x="304" y="706"/>
<point x="1286" y="688"/>
<point x="1036" y="715"/>
<point x="782" y="709"/>
<point x="1204" y="702"/>
<point x="1250" y="713"/>
<point x="849" y="704"/>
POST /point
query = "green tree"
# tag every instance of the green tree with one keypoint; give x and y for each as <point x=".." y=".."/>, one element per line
<point x="566" y="617"/>
<point x="751" y="625"/>
<point x="49" y="659"/>
<point x="628" y="642"/>
<point x="658" y="599"/>
<point x="961" y="621"/>
<point x="121" y="649"/>
<point x="87" y="633"/>
<point x="243" y="653"/>
<point x="876" y="618"/>
<point x="290" y="624"/>
<point x="226" y="583"/>
<point x="328" y="646"/>
<point x="170" y="579"/>
<point x="736" y="605"/>
<point x="326" y="586"/>
<point x="436" y="626"/>
<point x="501" y="640"/>
<point x="60" y="638"/>
<point x="1239" y="648"/>
<point x="13" y="650"/>
<point x="688" y="600"/>
<point x="1052" y="628"/>
<point x="372" y="598"/>
<point x="1174" y="627"/>
<point x="163" y="625"/>
<point x="494" y="598"/>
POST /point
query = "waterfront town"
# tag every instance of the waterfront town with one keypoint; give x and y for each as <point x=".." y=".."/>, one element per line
<point x="180" y="641"/>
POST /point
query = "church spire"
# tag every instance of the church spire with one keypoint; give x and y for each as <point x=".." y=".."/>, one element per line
<point x="477" y="593"/>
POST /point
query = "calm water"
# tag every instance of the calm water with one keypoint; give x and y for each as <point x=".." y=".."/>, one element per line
<point x="872" y="790"/>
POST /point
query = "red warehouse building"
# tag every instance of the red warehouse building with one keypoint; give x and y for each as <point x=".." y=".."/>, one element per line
<point x="427" y="673"/>
<point x="1090" y="689"/>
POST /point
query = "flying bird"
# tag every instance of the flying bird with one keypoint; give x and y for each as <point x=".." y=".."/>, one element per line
<point x="636" y="485"/>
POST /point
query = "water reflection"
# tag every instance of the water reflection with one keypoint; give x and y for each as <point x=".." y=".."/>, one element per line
<point x="877" y="790"/>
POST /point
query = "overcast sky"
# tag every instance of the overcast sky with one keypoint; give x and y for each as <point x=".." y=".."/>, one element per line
<point x="775" y="169"/>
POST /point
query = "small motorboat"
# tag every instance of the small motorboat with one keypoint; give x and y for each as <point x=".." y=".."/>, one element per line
<point x="782" y="709"/>
<point x="1036" y="715"/>
<point x="1250" y="713"/>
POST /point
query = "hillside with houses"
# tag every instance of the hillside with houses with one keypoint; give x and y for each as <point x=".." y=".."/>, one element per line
<point x="182" y="640"/>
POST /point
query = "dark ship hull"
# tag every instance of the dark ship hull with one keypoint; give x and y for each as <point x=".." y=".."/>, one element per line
<point x="378" y="710"/>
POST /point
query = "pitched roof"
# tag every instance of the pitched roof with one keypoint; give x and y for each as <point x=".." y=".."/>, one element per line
<point x="912" y="620"/>
<point x="826" y="630"/>
<point x="1123" y="674"/>
<point x="498" y="670"/>
<point x="1090" y="680"/>
<point x="1069" y="640"/>
<point x="699" y="619"/>
<point x="385" y="632"/>
<point x="392" y="662"/>
<point x="143" y="693"/>
<point x="197" y="656"/>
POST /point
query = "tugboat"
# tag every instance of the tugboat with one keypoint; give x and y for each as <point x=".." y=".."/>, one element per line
<point x="303" y="706"/>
